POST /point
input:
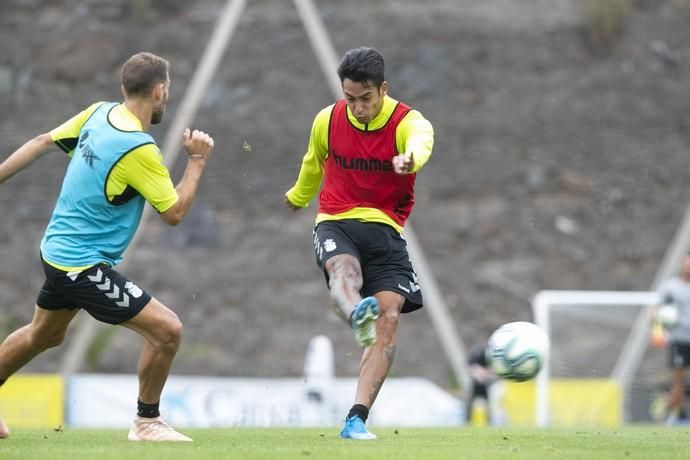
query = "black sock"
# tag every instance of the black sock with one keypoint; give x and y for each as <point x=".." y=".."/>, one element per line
<point x="147" y="410"/>
<point x="359" y="410"/>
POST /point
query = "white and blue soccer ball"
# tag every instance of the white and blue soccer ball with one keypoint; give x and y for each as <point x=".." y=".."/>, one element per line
<point x="517" y="351"/>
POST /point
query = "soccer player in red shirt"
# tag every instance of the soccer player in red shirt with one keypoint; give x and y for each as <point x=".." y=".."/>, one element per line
<point x="366" y="150"/>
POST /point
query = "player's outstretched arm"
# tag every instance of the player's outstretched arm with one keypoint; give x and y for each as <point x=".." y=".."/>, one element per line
<point x="199" y="147"/>
<point x="25" y="155"/>
<point x="414" y="138"/>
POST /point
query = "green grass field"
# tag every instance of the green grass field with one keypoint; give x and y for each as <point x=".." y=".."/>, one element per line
<point x="396" y="444"/>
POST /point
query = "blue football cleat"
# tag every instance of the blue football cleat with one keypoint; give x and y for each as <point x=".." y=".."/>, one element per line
<point x="354" y="429"/>
<point x="364" y="318"/>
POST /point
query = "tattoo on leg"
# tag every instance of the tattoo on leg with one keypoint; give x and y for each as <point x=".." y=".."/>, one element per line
<point x="345" y="281"/>
<point x="348" y="272"/>
<point x="389" y="354"/>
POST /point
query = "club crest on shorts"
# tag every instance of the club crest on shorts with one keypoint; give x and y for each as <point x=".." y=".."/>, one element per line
<point x="329" y="245"/>
<point x="134" y="290"/>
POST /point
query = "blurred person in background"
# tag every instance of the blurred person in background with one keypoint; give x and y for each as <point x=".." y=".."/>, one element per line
<point x="366" y="150"/>
<point x="114" y="168"/>
<point x="483" y="377"/>
<point x="673" y="314"/>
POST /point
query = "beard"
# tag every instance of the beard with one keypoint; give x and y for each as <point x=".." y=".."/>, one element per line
<point x="157" y="115"/>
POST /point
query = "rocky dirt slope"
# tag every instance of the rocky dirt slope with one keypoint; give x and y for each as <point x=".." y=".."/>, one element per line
<point x="556" y="165"/>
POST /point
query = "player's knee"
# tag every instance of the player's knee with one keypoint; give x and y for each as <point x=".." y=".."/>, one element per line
<point x="173" y="332"/>
<point x="389" y="317"/>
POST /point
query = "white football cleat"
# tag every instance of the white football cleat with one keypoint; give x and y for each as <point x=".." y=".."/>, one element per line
<point x="154" y="429"/>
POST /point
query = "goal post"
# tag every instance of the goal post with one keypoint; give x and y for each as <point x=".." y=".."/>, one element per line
<point x="591" y="333"/>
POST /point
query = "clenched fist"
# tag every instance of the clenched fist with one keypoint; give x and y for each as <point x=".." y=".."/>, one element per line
<point x="197" y="144"/>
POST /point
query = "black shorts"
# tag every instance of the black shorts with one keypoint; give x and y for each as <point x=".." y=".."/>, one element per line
<point x="381" y="251"/>
<point x="104" y="293"/>
<point x="679" y="355"/>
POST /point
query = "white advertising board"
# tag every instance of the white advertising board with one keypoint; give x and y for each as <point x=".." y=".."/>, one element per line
<point x="109" y="401"/>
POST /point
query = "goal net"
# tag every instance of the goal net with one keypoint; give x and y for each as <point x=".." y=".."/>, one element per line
<point x="600" y="336"/>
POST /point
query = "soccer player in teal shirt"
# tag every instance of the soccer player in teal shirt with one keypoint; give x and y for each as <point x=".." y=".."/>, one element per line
<point x="115" y="167"/>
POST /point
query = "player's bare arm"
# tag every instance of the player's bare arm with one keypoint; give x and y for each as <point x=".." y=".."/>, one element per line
<point x="199" y="148"/>
<point x="25" y="155"/>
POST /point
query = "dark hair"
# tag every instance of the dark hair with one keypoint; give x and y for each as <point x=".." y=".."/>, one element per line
<point x="141" y="72"/>
<point x="362" y="65"/>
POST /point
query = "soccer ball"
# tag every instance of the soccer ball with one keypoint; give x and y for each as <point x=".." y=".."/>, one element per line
<point x="517" y="351"/>
<point x="667" y="315"/>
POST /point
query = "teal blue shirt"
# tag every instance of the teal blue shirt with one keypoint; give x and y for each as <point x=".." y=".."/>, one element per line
<point x="86" y="227"/>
